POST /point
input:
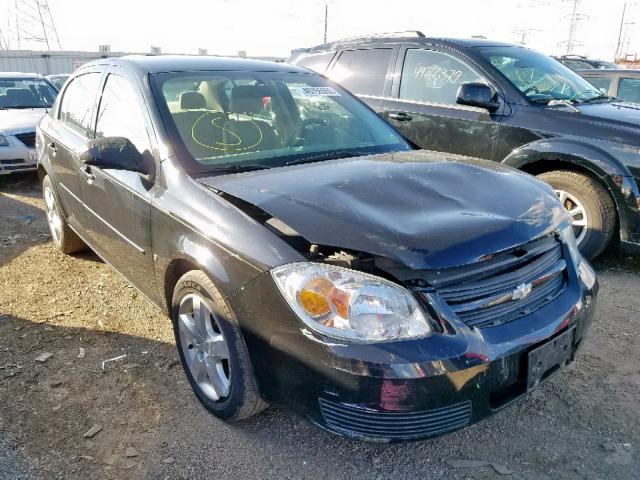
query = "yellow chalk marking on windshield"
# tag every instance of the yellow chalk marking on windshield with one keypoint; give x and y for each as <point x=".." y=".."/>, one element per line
<point x="225" y="146"/>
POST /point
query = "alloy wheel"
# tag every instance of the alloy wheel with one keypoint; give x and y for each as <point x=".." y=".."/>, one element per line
<point x="579" y="220"/>
<point x="204" y="347"/>
<point x="53" y="215"/>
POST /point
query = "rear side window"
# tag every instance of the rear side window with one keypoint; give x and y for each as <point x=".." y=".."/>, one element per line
<point x="78" y="102"/>
<point x="362" y="71"/>
<point x="434" y="77"/>
<point x="318" y="62"/>
<point x="120" y="114"/>
<point x="602" y="83"/>
<point x="629" y="89"/>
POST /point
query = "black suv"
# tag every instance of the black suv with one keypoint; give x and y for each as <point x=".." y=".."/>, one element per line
<point x="505" y="103"/>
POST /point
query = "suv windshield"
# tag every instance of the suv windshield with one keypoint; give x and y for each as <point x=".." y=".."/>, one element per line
<point x="234" y="121"/>
<point x="26" y="93"/>
<point x="539" y="77"/>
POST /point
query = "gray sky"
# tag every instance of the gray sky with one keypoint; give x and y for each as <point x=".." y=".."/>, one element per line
<point x="274" y="27"/>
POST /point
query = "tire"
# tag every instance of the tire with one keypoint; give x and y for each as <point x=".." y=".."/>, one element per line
<point x="600" y="211"/>
<point x="208" y="372"/>
<point x="62" y="236"/>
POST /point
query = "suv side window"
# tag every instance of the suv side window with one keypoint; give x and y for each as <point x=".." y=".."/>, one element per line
<point x="120" y="115"/>
<point x="78" y="103"/>
<point x="362" y="71"/>
<point x="318" y="62"/>
<point x="433" y="77"/>
<point x="629" y="89"/>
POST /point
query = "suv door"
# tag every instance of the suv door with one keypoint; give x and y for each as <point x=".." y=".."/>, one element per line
<point x="118" y="202"/>
<point x="365" y="72"/>
<point x="67" y="138"/>
<point x="424" y="105"/>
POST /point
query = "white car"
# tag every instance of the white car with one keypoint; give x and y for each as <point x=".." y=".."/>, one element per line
<point x="24" y="99"/>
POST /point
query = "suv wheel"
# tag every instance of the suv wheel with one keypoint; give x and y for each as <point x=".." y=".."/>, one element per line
<point x="590" y="206"/>
<point x="63" y="237"/>
<point x="212" y="350"/>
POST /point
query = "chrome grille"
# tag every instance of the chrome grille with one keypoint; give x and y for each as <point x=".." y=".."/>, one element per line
<point x="506" y="287"/>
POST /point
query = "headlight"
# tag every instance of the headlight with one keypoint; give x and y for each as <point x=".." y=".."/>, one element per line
<point x="3" y="141"/>
<point x="585" y="271"/>
<point x="350" y="305"/>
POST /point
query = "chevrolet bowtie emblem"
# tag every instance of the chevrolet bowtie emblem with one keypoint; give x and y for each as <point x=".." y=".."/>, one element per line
<point x="522" y="291"/>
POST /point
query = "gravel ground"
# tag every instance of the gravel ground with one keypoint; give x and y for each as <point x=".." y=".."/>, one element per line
<point x="583" y="424"/>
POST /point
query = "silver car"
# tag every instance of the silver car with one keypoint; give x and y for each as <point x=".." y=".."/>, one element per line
<point x="24" y="98"/>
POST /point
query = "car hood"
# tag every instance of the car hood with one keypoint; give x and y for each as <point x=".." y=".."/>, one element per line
<point x="620" y="114"/>
<point x="20" y="120"/>
<point x="421" y="209"/>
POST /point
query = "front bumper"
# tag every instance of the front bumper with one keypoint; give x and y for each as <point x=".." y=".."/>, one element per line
<point x="16" y="158"/>
<point x="399" y="391"/>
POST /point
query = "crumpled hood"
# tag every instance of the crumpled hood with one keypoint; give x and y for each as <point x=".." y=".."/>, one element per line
<point x="20" y="120"/>
<point x="421" y="209"/>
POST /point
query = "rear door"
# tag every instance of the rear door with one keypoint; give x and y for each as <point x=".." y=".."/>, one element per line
<point x="118" y="202"/>
<point x="67" y="137"/>
<point x="366" y="72"/>
<point x="629" y="88"/>
<point x="424" y="108"/>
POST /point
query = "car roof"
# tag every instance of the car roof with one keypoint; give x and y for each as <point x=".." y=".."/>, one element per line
<point x="376" y="40"/>
<point x="144" y="64"/>
<point x="20" y="75"/>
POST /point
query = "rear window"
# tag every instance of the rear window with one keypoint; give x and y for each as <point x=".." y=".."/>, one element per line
<point x="362" y="71"/>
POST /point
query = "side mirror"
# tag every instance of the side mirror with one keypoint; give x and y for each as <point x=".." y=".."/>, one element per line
<point x="477" y="94"/>
<point x="117" y="153"/>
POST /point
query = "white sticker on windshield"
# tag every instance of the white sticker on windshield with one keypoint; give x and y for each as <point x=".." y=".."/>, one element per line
<point x="319" y="92"/>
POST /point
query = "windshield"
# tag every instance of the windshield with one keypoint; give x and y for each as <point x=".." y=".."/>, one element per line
<point x="26" y="93"/>
<point x="250" y="120"/>
<point x="539" y="77"/>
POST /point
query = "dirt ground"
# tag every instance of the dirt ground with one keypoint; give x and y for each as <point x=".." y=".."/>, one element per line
<point x="583" y="424"/>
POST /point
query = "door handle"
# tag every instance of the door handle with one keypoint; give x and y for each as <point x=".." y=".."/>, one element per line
<point x="88" y="176"/>
<point x="52" y="149"/>
<point x="400" y="116"/>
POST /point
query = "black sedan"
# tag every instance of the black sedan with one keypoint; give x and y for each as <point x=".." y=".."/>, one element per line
<point x="307" y="255"/>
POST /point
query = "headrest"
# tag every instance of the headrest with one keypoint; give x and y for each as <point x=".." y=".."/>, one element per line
<point x="248" y="98"/>
<point x="20" y="95"/>
<point x="192" y="101"/>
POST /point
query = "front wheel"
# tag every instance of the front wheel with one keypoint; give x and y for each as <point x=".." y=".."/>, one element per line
<point x="212" y="349"/>
<point x="63" y="237"/>
<point x="592" y="210"/>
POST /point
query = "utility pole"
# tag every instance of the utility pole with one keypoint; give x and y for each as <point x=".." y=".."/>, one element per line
<point x="326" y="18"/>
<point x="574" y="19"/>
<point x="32" y="25"/>
<point x="617" y="54"/>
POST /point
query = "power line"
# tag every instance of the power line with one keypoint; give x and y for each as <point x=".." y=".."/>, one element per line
<point x="31" y="25"/>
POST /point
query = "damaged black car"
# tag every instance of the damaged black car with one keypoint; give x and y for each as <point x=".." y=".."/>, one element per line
<point x="307" y="254"/>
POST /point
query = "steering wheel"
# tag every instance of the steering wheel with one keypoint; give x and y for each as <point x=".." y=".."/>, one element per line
<point x="530" y="88"/>
<point x="309" y="122"/>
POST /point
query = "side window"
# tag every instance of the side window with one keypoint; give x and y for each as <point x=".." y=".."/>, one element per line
<point x="601" y="83"/>
<point x="430" y="76"/>
<point x="629" y="89"/>
<point x="318" y="62"/>
<point x="362" y="71"/>
<point x="120" y="115"/>
<point x="78" y="103"/>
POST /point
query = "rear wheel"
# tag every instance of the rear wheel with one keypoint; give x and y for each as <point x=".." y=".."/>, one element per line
<point x="212" y="350"/>
<point x="63" y="237"/>
<point x="591" y="208"/>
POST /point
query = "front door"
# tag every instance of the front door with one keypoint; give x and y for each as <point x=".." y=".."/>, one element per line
<point x="424" y="105"/>
<point x="118" y="202"/>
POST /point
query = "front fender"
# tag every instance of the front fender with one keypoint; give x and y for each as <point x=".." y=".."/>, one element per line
<point x="585" y="155"/>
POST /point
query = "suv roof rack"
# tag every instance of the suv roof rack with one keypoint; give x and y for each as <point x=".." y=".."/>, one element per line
<point x="403" y="34"/>
<point x="573" y="56"/>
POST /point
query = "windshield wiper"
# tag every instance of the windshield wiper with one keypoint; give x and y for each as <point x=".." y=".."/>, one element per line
<point x="563" y="103"/>
<point x="24" y="107"/>
<point x="237" y="168"/>
<point x="598" y="97"/>
<point x="332" y="155"/>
